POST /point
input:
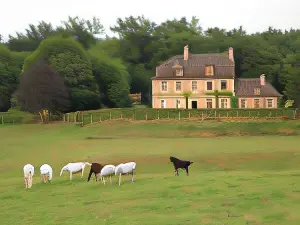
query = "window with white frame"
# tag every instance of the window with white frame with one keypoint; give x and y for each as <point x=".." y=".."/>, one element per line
<point x="224" y="103"/>
<point x="256" y="91"/>
<point x="243" y="103"/>
<point x="209" y="70"/>
<point x="209" y="103"/>
<point x="179" y="72"/>
<point x="270" y="103"/>
<point x="177" y="103"/>
<point x="223" y="84"/>
<point x="163" y="103"/>
<point x="256" y="103"/>
<point x="178" y="86"/>
<point x="209" y="85"/>
<point x="194" y="85"/>
<point x="164" y="86"/>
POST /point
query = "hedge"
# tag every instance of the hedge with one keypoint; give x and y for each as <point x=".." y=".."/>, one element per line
<point x="88" y="117"/>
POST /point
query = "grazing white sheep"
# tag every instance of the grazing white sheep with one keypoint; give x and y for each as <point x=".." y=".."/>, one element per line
<point x="107" y="170"/>
<point x="75" y="168"/>
<point x="46" y="172"/>
<point x="125" y="168"/>
<point x="28" y="174"/>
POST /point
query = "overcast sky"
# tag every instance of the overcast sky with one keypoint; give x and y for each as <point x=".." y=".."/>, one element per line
<point x="253" y="15"/>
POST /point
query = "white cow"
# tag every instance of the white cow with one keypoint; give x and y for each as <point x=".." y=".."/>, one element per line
<point x="125" y="168"/>
<point x="107" y="170"/>
<point x="75" y="168"/>
<point x="46" y="172"/>
<point x="28" y="174"/>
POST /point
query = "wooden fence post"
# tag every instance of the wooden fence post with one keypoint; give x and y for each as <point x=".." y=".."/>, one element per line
<point x="202" y="116"/>
<point x="215" y="114"/>
<point x="91" y="118"/>
<point x="121" y="116"/>
<point x="146" y="116"/>
<point x="295" y="114"/>
<point x="158" y="114"/>
<point x="82" y="117"/>
<point x="179" y="115"/>
<point x="64" y="118"/>
<point x="68" y="117"/>
<point x="110" y="115"/>
<point x="2" y="120"/>
<point x="133" y="116"/>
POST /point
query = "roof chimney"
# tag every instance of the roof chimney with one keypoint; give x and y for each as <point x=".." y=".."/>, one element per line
<point x="186" y="52"/>
<point x="230" y="54"/>
<point x="262" y="79"/>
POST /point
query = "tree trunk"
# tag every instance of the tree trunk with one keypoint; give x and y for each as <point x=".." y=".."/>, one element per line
<point x="186" y="102"/>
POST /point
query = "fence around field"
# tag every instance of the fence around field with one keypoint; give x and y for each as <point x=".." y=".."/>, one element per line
<point x="91" y="117"/>
<point x="19" y="118"/>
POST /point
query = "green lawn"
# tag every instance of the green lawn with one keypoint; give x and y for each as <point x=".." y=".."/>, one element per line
<point x="235" y="180"/>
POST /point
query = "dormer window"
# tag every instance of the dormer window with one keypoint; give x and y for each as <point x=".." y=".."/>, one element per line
<point x="256" y="91"/>
<point x="209" y="70"/>
<point x="178" y="69"/>
<point x="179" y="72"/>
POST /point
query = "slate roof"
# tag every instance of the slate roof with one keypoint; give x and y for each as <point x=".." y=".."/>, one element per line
<point x="245" y="88"/>
<point x="194" y="67"/>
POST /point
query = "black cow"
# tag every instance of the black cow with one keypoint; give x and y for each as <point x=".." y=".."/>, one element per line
<point x="177" y="163"/>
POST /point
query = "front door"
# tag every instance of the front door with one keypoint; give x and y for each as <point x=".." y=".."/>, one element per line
<point x="194" y="104"/>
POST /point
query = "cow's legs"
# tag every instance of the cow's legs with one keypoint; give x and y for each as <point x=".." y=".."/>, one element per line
<point x="120" y="178"/>
<point x="29" y="181"/>
<point x="132" y="175"/>
<point x="26" y="182"/>
<point x="82" y="170"/>
<point x="187" y="171"/>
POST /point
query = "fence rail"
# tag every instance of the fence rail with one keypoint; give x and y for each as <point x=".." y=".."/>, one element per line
<point x="91" y="117"/>
<point x="19" y="118"/>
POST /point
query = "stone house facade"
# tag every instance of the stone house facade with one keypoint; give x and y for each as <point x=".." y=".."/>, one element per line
<point x="201" y="75"/>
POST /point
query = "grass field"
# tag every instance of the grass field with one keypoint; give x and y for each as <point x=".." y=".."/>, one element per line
<point x="236" y="180"/>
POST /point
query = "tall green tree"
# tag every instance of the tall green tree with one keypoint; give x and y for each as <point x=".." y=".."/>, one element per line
<point x="292" y="88"/>
<point x="67" y="57"/>
<point x="9" y="77"/>
<point x="112" y="78"/>
<point x="41" y="88"/>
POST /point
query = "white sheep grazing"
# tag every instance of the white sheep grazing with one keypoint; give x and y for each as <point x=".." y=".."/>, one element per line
<point x="75" y="168"/>
<point x="125" y="168"/>
<point x="28" y="174"/>
<point x="107" y="170"/>
<point x="46" y="172"/>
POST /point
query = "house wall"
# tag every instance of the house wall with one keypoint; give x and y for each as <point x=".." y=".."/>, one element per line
<point x="262" y="102"/>
<point x="199" y="95"/>
<point x="171" y="101"/>
<point x="186" y="85"/>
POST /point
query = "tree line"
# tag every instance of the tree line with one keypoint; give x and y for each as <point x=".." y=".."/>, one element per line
<point x="68" y="68"/>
